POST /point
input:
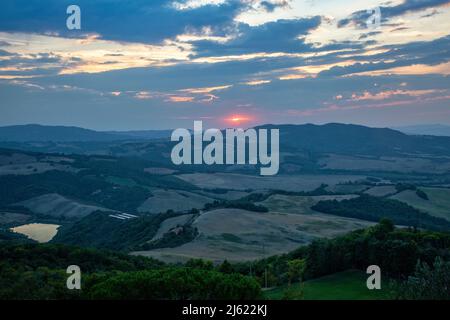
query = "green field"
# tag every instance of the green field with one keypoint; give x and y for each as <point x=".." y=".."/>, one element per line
<point x="437" y="205"/>
<point x="241" y="235"/>
<point x="347" y="285"/>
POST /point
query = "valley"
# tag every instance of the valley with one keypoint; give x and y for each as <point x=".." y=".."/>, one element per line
<point x="126" y="196"/>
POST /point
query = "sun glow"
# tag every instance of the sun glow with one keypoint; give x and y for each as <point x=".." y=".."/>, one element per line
<point x="237" y="119"/>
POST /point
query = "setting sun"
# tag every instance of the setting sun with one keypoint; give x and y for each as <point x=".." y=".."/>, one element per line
<point x="237" y="119"/>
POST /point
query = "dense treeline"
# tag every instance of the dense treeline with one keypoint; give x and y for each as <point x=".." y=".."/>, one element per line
<point x="422" y="194"/>
<point x="405" y="186"/>
<point x="259" y="197"/>
<point x="101" y="231"/>
<point x="37" y="271"/>
<point x="371" y="208"/>
<point x="176" y="283"/>
<point x="319" y="191"/>
<point x="235" y="204"/>
<point x="429" y="282"/>
<point x="395" y="250"/>
<point x="6" y="234"/>
<point x="30" y="256"/>
<point x="417" y="260"/>
<point x="248" y="202"/>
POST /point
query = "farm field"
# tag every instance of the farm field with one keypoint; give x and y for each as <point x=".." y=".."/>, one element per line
<point x="57" y="206"/>
<point x="381" y="191"/>
<point x="176" y="200"/>
<point x="39" y="232"/>
<point x="33" y="168"/>
<point x="238" y="235"/>
<point x="282" y="182"/>
<point x="347" y="188"/>
<point x="437" y="205"/>
<point x="170" y="223"/>
<point x="297" y="204"/>
<point x="347" y="285"/>
<point x="24" y="164"/>
<point x="403" y="164"/>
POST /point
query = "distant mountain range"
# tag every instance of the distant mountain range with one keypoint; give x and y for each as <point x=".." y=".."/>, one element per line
<point x="142" y="134"/>
<point x="430" y="129"/>
<point x="356" y="139"/>
<point x="39" y="133"/>
<point x="328" y="138"/>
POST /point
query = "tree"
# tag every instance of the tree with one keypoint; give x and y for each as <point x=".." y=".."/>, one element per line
<point x="296" y="270"/>
<point x="427" y="283"/>
<point x="175" y="283"/>
<point x="421" y="194"/>
<point x="226" y="267"/>
<point x="199" y="264"/>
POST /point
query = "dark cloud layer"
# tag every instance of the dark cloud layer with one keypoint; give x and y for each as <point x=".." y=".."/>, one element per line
<point x="359" y="18"/>
<point x="131" y="20"/>
<point x="279" y="36"/>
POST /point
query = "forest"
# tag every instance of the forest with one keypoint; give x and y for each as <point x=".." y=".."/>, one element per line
<point x="415" y="261"/>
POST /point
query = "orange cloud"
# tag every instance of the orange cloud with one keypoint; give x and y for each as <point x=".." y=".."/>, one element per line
<point x="180" y="99"/>
<point x="416" y="69"/>
<point x="205" y="90"/>
<point x="392" y="93"/>
<point x="256" y="82"/>
<point x="143" y="95"/>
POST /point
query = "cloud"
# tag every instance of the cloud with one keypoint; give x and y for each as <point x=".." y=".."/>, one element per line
<point x="415" y="69"/>
<point x="270" y="101"/>
<point x="198" y="95"/>
<point x="257" y="82"/>
<point x="205" y="90"/>
<point x="93" y="55"/>
<point x="278" y="36"/>
<point x="270" y="6"/>
<point x="194" y="4"/>
<point x="29" y="65"/>
<point x="383" y="95"/>
<point x="142" y="64"/>
<point x="180" y="99"/>
<point x="416" y="53"/>
<point x="4" y="53"/>
<point x="134" y="20"/>
<point x="359" y="18"/>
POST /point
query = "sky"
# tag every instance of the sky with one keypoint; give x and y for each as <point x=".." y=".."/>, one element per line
<point x="156" y="64"/>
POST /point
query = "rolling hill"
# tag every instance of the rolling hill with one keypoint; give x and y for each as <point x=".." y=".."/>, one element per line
<point x="356" y="139"/>
<point x="429" y="130"/>
<point x="300" y="143"/>
<point x="36" y="132"/>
